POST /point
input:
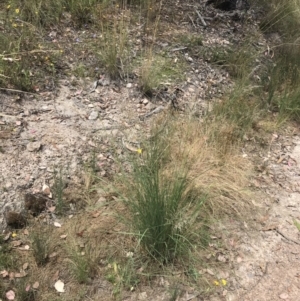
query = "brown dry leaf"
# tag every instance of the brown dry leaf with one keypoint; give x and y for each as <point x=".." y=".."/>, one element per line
<point x="4" y="273"/>
<point x="16" y="243"/>
<point x="54" y="254"/>
<point x="26" y="232"/>
<point x="36" y="285"/>
<point x="20" y="275"/>
<point x="210" y="272"/>
<point x="221" y="258"/>
<point x="95" y="214"/>
<point x="51" y="209"/>
<point x="57" y="225"/>
<point x="7" y="236"/>
<point x="46" y="189"/>
<point x="11" y="275"/>
<point x="25" y="266"/>
<point x="10" y="295"/>
<point x="80" y="233"/>
<point x="55" y="276"/>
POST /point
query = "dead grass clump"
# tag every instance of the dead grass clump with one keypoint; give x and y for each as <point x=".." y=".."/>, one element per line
<point x="223" y="177"/>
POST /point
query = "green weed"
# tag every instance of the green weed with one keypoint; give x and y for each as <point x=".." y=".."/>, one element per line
<point x="156" y="70"/>
<point x="123" y="276"/>
<point x="40" y="246"/>
<point x="24" y="292"/>
<point x="82" y="12"/>
<point x="82" y="263"/>
<point x="58" y="191"/>
<point x="297" y="224"/>
<point x="7" y="259"/>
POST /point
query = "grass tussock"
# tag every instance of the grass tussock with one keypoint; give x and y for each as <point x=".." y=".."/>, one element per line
<point x="162" y="208"/>
<point x="40" y="247"/>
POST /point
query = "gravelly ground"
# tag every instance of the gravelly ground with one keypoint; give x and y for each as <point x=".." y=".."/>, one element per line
<point x="64" y="127"/>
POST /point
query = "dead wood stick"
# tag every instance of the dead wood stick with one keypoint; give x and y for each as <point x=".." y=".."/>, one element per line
<point x="201" y="18"/>
<point x="155" y="111"/>
<point x="17" y="91"/>
<point x="287" y="238"/>
<point x="192" y="21"/>
<point x="178" y="49"/>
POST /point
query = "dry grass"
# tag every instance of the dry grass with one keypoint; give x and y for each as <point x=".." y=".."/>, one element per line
<point x="222" y="176"/>
<point x="95" y="251"/>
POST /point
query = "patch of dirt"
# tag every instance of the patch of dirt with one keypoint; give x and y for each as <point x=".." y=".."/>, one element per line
<point x="265" y="255"/>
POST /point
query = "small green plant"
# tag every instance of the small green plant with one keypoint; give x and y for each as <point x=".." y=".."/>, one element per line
<point x="80" y="70"/>
<point x="40" y="247"/>
<point x="24" y="292"/>
<point x="192" y="42"/>
<point x="83" y="263"/>
<point x="156" y="70"/>
<point x="123" y="276"/>
<point x="297" y="224"/>
<point x="82" y="12"/>
<point x="7" y="259"/>
<point x="58" y="191"/>
<point x="93" y="163"/>
<point x="282" y="76"/>
<point x="175" y="294"/>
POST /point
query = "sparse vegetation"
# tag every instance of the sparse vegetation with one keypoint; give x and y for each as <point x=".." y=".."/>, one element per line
<point x="156" y="71"/>
<point x="82" y="263"/>
<point x="190" y="171"/>
<point x="40" y="246"/>
<point x="123" y="276"/>
<point x="6" y="258"/>
<point x="114" y="51"/>
<point x="58" y="189"/>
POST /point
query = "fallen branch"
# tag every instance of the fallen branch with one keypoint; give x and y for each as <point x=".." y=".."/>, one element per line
<point x="155" y="111"/>
<point x="178" y="49"/>
<point x="17" y="91"/>
<point x="287" y="238"/>
<point x="192" y="21"/>
<point x="201" y="19"/>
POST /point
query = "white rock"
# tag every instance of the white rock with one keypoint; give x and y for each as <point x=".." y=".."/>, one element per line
<point x="93" y="115"/>
<point x="33" y="146"/>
